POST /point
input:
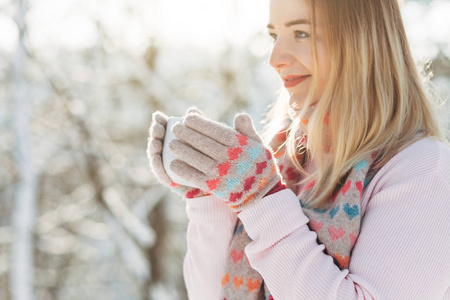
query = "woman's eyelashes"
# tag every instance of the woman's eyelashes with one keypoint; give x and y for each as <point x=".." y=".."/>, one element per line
<point x="298" y="34"/>
<point x="273" y="36"/>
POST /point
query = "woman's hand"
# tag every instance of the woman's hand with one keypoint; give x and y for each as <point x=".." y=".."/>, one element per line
<point x="154" y="152"/>
<point x="234" y="165"/>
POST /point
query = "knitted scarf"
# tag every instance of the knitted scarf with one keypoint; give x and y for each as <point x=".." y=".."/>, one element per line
<point x="337" y="227"/>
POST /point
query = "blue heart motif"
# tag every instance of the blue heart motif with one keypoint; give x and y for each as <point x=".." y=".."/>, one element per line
<point x="361" y="165"/>
<point x="303" y="204"/>
<point x="351" y="211"/>
<point x="334" y="211"/>
<point x="238" y="230"/>
<point x="243" y="167"/>
<point x="366" y="182"/>
<point x="254" y="152"/>
<point x="232" y="182"/>
<point x="320" y="211"/>
<point x="221" y="194"/>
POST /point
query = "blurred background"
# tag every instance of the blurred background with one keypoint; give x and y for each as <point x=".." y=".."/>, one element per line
<point x="81" y="216"/>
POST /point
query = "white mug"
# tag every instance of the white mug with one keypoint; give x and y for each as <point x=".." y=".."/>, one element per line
<point x="168" y="156"/>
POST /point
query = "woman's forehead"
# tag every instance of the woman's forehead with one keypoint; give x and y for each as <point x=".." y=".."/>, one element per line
<point x="288" y="10"/>
<point x="283" y="12"/>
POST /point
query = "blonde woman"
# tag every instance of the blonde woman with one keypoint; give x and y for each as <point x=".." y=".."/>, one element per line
<point x="351" y="197"/>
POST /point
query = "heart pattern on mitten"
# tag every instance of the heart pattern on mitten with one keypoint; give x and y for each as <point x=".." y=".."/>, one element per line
<point x="232" y="164"/>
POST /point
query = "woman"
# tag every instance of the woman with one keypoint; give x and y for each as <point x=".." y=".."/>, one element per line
<point x="351" y="198"/>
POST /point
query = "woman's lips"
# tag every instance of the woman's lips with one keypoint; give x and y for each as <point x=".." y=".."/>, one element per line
<point x="291" y="82"/>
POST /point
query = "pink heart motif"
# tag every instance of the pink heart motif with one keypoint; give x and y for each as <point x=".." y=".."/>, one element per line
<point x="248" y="183"/>
<point x="359" y="186"/>
<point x="316" y="226"/>
<point x="268" y="154"/>
<point x="242" y="139"/>
<point x="233" y="153"/>
<point x="260" y="167"/>
<point x="236" y="256"/>
<point x="336" y="233"/>
<point x="309" y="185"/>
<point x="192" y="193"/>
<point x="212" y="184"/>
<point x="223" y="168"/>
<point x="235" y="196"/>
<point x="346" y="187"/>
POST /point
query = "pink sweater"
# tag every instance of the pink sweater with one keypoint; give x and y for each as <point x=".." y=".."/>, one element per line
<point x="402" y="252"/>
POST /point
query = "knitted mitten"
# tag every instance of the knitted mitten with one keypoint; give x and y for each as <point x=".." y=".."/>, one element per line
<point x="234" y="165"/>
<point x="154" y="152"/>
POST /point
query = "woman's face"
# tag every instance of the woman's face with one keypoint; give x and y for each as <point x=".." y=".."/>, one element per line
<point x="289" y="26"/>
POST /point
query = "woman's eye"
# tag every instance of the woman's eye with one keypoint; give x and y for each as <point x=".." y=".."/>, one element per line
<point x="273" y="36"/>
<point x="300" y="34"/>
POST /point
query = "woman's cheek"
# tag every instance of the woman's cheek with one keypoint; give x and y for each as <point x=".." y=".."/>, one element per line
<point x="305" y="57"/>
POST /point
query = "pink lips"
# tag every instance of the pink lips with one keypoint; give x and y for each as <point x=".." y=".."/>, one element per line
<point x="291" y="81"/>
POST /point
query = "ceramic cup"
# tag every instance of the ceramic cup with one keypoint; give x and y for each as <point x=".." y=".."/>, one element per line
<point x="168" y="156"/>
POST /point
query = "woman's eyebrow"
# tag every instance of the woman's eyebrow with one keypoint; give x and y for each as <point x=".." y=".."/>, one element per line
<point x="291" y="23"/>
<point x="296" y="22"/>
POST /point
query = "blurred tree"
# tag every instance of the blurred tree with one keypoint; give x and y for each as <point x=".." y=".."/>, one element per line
<point x="87" y="75"/>
<point x="24" y="213"/>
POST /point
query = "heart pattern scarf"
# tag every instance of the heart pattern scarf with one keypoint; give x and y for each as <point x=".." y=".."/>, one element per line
<point x="337" y="227"/>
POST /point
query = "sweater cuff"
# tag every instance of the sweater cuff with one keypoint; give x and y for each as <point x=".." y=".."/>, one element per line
<point x="209" y="209"/>
<point x="281" y="210"/>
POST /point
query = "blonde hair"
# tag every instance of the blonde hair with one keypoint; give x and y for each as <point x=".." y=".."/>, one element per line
<point x="374" y="92"/>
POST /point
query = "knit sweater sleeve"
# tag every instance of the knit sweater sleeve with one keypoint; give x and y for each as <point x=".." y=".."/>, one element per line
<point x="210" y="229"/>
<point x="401" y="253"/>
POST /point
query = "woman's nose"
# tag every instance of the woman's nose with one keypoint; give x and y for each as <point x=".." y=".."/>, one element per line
<point x="280" y="56"/>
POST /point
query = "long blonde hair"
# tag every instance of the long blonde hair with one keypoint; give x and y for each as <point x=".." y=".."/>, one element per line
<point x="374" y="92"/>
